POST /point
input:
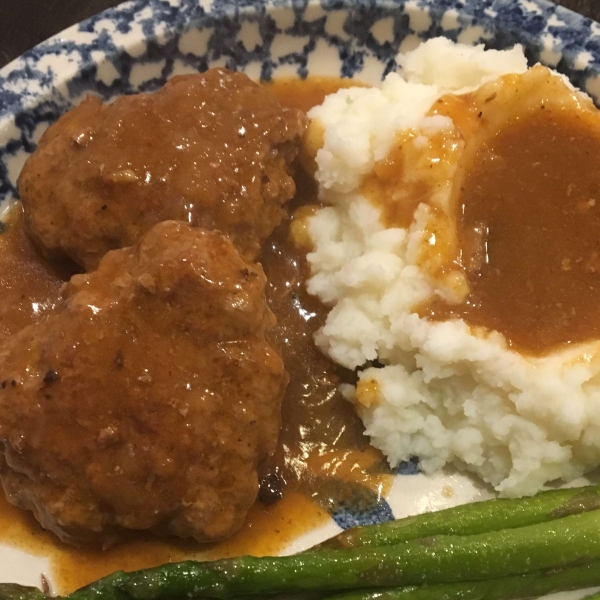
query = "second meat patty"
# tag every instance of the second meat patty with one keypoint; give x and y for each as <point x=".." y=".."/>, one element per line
<point x="150" y="399"/>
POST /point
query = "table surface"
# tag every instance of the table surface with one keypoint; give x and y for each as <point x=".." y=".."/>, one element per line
<point x="25" y="23"/>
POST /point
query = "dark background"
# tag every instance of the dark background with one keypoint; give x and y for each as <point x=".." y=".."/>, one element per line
<point x="25" y="23"/>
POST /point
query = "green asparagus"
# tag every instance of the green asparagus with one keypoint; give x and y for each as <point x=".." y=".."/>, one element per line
<point x="506" y="588"/>
<point x="505" y="542"/>
<point x="491" y="515"/>
<point x="572" y="540"/>
<point x="12" y="591"/>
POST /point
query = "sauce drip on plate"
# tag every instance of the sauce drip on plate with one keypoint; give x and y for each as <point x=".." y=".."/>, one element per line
<point x="323" y="464"/>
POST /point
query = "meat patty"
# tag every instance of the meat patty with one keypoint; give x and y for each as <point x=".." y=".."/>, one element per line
<point x="150" y="400"/>
<point x="212" y="149"/>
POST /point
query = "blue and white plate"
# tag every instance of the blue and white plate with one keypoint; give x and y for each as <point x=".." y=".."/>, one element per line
<point x="138" y="45"/>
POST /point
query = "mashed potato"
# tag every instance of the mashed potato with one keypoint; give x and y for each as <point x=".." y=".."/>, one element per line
<point x="443" y="391"/>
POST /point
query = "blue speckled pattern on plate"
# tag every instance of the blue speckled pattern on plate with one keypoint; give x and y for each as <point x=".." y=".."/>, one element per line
<point x="138" y="45"/>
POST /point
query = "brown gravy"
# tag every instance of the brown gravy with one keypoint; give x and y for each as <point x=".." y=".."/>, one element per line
<point x="397" y="195"/>
<point x="29" y="284"/>
<point x="323" y="462"/>
<point x="524" y="219"/>
<point x="306" y="93"/>
<point x="321" y="436"/>
<point x="528" y="216"/>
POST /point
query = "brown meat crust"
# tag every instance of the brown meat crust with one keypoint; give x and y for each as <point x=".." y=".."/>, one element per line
<point x="150" y="400"/>
<point x="212" y="149"/>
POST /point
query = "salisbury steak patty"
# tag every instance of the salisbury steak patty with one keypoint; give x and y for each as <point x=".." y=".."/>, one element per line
<point x="213" y="149"/>
<point x="149" y="401"/>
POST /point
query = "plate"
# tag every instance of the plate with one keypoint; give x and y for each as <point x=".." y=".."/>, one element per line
<point x="138" y="45"/>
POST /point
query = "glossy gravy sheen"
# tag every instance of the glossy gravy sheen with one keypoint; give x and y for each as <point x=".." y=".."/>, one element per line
<point x="323" y="462"/>
<point x="523" y="221"/>
<point x="29" y="284"/>
<point x="528" y="224"/>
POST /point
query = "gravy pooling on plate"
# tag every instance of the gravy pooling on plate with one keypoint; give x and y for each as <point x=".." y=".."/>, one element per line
<point x="323" y="461"/>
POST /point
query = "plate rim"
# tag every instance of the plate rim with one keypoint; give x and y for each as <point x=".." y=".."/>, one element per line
<point x="126" y="13"/>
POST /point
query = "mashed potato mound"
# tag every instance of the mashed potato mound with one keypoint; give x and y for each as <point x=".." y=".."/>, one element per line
<point x="439" y="391"/>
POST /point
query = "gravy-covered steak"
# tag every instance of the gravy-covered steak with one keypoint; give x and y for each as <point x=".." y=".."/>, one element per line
<point x="150" y="400"/>
<point x="212" y="149"/>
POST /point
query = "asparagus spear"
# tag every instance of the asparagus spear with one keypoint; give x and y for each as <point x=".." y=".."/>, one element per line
<point x="13" y="591"/>
<point x="506" y="588"/>
<point x="107" y="588"/>
<point x="572" y="540"/>
<point x="491" y="515"/>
